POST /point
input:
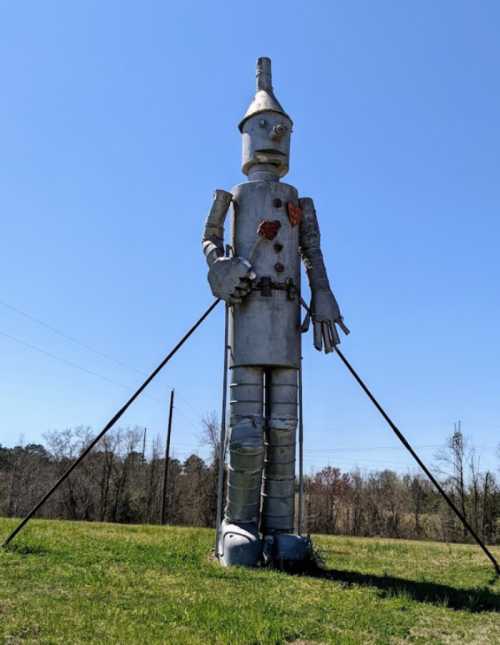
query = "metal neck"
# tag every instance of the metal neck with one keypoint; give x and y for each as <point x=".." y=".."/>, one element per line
<point x="263" y="172"/>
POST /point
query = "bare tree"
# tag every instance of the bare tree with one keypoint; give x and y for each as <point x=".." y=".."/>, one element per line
<point x="452" y="464"/>
<point x="117" y="482"/>
<point x="210" y="435"/>
<point x="106" y="449"/>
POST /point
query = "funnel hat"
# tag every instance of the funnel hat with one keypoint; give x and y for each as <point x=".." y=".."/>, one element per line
<point x="264" y="99"/>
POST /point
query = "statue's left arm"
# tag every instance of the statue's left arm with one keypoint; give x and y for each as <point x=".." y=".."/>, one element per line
<point x="325" y="311"/>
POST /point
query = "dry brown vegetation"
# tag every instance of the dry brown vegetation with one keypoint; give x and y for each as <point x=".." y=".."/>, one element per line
<point x="117" y="482"/>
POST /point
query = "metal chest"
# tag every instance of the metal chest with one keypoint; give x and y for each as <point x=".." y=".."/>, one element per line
<point x="264" y="328"/>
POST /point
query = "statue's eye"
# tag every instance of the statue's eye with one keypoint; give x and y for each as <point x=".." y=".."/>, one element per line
<point x="262" y="123"/>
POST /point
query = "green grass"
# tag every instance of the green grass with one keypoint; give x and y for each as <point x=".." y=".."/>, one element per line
<point x="64" y="582"/>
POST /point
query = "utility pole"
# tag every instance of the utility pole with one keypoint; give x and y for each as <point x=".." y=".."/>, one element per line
<point x="144" y="445"/>
<point x="167" y="459"/>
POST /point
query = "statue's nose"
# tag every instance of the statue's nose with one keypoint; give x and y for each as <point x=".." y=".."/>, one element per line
<point x="278" y="132"/>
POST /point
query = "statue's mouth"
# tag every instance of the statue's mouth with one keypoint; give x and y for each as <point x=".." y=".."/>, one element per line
<point x="272" y="151"/>
<point x="270" y="156"/>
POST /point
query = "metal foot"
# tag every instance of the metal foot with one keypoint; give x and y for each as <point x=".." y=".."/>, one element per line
<point x="239" y="545"/>
<point x="287" y="551"/>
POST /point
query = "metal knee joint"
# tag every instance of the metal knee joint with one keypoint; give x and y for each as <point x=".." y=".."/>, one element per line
<point x="246" y="445"/>
<point x="246" y="459"/>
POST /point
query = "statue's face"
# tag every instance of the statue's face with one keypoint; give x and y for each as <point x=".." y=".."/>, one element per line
<point x="266" y="140"/>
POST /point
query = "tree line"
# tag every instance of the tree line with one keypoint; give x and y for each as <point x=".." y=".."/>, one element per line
<point x="118" y="482"/>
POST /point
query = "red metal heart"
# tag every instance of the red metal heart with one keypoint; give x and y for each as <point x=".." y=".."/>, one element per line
<point x="294" y="214"/>
<point x="269" y="229"/>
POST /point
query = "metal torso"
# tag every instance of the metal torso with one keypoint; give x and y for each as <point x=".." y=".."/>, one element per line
<point x="264" y="328"/>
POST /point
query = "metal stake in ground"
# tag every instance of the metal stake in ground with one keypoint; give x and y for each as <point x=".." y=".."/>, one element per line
<point x="222" y="438"/>
<point x="111" y="422"/>
<point x="300" y="520"/>
<point x="405" y="443"/>
<point x="167" y="461"/>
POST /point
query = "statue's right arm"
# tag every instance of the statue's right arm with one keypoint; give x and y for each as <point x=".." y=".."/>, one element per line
<point x="213" y="235"/>
<point x="229" y="277"/>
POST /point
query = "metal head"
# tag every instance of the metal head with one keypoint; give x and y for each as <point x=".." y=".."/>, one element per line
<point x="266" y="127"/>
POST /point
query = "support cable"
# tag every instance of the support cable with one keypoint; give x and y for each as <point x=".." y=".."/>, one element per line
<point x="110" y="423"/>
<point x="406" y="444"/>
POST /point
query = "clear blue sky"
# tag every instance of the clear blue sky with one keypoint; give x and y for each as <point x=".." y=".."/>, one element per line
<point x="118" y="120"/>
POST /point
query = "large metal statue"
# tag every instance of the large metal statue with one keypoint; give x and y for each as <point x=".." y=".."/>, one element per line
<point x="272" y="227"/>
<point x="260" y="282"/>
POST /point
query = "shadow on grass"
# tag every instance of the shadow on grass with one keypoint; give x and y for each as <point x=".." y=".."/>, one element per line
<point x="22" y="549"/>
<point x="473" y="600"/>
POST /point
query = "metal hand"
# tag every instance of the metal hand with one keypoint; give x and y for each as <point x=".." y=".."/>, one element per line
<point x="230" y="279"/>
<point x="326" y="315"/>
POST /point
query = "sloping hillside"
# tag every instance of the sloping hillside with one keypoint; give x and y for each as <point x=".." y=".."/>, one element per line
<point x="64" y="582"/>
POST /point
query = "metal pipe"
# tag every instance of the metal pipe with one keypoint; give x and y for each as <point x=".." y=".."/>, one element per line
<point x="222" y="438"/>
<point x="300" y="521"/>
<point x="110" y="423"/>
<point x="405" y="443"/>
<point x="167" y="460"/>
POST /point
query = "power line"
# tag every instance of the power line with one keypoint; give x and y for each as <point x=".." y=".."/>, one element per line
<point x="60" y="359"/>
<point x="68" y="337"/>
<point x="81" y="368"/>
<point x="82" y="344"/>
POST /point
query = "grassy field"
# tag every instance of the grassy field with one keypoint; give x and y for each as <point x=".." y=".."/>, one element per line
<point x="64" y="582"/>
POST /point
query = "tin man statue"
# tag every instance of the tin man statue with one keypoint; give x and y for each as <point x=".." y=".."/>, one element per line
<point x="260" y="281"/>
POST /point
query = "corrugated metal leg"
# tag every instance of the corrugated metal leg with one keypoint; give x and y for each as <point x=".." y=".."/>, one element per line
<point x="279" y="472"/>
<point x="246" y="446"/>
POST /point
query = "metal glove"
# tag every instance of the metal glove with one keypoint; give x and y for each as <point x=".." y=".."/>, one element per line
<point x="325" y="314"/>
<point x="231" y="279"/>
